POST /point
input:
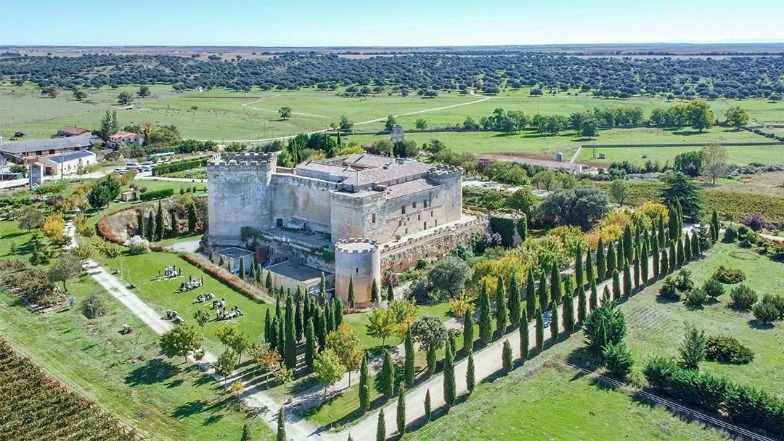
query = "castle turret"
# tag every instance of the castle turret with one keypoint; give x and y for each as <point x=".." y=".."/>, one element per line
<point x="238" y="186"/>
<point x="451" y="178"/>
<point x="357" y="260"/>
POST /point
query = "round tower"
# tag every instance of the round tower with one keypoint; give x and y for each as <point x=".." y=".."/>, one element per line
<point x="451" y="178"/>
<point x="357" y="261"/>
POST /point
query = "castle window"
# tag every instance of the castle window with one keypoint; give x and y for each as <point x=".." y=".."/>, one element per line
<point x="431" y="213"/>
<point x="406" y="230"/>
<point x="425" y="225"/>
<point x="425" y="202"/>
<point x="414" y="204"/>
<point x="400" y="223"/>
<point x="373" y="218"/>
<point x="403" y="209"/>
<point x="419" y="217"/>
<point x="357" y="270"/>
<point x="436" y="222"/>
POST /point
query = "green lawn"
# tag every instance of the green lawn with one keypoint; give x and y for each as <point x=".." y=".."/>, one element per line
<point x="656" y="327"/>
<point x="740" y="155"/>
<point x="165" y="401"/>
<point x="557" y="403"/>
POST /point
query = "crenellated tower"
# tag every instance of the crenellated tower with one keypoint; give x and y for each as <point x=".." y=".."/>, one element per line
<point x="357" y="260"/>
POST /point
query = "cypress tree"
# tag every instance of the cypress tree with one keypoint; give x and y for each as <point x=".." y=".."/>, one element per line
<point x="507" y="359"/>
<point x="350" y="298"/>
<point x="428" y="411"/>
<point x="381" y="428"/>
<point x="390" y="293"/>
<point x="539" y="330"/>
<point x="616" y="285"/>
<point x="686" y="248"/>
<point x="644" y="264"/>
<point x="655" y="253"/>
<point x="485" y="331"/>
<point x="662" y="239"/>
<point x="159" y="223"/>
<point x="470" y="374"/>
<point x="277" y="306"/>
<point x="555" y="327"/>
<point x="582" y="305"/>
<point x="364" y="391"/>
<point x="530" y="296"/>
<point x="268" y="281"/>
<point x="401" y="413"/>
<point x="673" y="259"/>
<point x="299" y="320"/>
<point x="514" y="301"/>
<point x="680" y="255"/>
<point x="593" y="300"/>
<point x="323" y="288"/>
<point x="242" y="268"/>
<point x="321" y="327"/>
<point x="290" y="336"/>
<point x="568" y="313"/>
<point x="140" y="224"/>
<point x="450" y="389"/>
<point x="330" y="318"/>
<point x="716" y="226"/>
<point x="673" y="226"/>
<point x="695" y="246"/>
<point x="281" y="436"/>
<point x="620" y="254"/>
<point x="245" y="433"/>
<point x="601" y="262"/>
<point x="252" y="272"/>
<point x="636" y="275"/>
<point x="150" y="227"/>
<point x="524" y="343"/>
<point x="374" y="296"/>
<point x="501" y="314"/>
<point x="468" y="331"/>
<point x="409" y="363"/>
<point x="338" y="310"/>
<point x="267" y="326"/>
<point x="627" y="280"/>
<point x="589" y="273"/>
<point x="664" y="265"/>
<point x="611" y="259"/>
<point x="578" y="266"/>
<point x="556" y="286"/>
<point x="281" y="336"/>
<point x="543" y="292"/>
<point x="388" y="376"/>
<point x="431" y="360"/>
<point x="628" y="243"/>
<point x="310" y="343"/>
<point x="452" y="342"/>
<point x="173" y="222"/>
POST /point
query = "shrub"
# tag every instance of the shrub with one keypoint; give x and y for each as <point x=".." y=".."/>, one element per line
<point x="695" y="298"/>
<point x="690" y="385"/>
<point x="713" y="288"/>
<point x="92" y="307"/>
<point x="743" y="297"/>
<point x="753" y="408"/>
<point x="730" y="235"/>
<point x="683" y="280"/>
<point x="765" y="312"/>
<point x="727" y="350"/>
<point x="729" y="275"/>
<point x="776" y="301"/>
<point x="137" y="245"/>
<point x="159" y="194"/>
<point x="669" y="290"/>
<point x="757" y="222"/>
<point x="617" y="359"/>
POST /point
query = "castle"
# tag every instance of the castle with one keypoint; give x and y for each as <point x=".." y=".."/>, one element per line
<point x="352" y="217"/>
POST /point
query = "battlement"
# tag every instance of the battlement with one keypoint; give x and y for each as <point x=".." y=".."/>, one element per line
<point x="445" y="171"/>
<point x="356" y="246"/>
<point x="246" y="159"/>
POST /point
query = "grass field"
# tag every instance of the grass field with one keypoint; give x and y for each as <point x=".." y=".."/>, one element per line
<point x="163" y="400"/>
<point x="224" y="115"/>
<point x="656" y="327"/>
<point x="739" y="155"/>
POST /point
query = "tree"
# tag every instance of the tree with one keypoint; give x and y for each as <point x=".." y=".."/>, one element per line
<point x="328" y="368"/>
<point x="601" y="261"/>
<point x="159" y="224"/>
<point x="530" y="297"/>
<point x="450" y="388"/>
<point x="619" y="190"/>
<point x="485" y="330"/>
<point x="409" y="371"/>
<point x="420" y="124"/>
<point x="381" y="427"/>
<point x="381" y="324"/>
<point x="543" y="292"/>
<point x="400" y="416"/>
<point x="143" y="92"/>
<point x="682" y="189"/>
<point x="30" y="218"/>
<point x="468" y="331"/>
<point x="233" y="338"/>
<point x="737" y="117"/>
<point x="593" y="300"/>
<point x="514" y="302"/>
<point x="589" y="127"/>
<point x="388" y="376"/>
<point x="431" y="360"/>
<point x="692" y="348"/>
<point x="345" y="344"/>
<point x="523" y="200"/>
<point x="715" y="159"/>
<point x="66" y="267"/>
<point x="506" y="356"/>
<point x="616" y="285"/>
<point x="582" y="304"/>
<point x="364" y="391"/>
<point x="289" y="335"/>
<point x="581" y="206"/>
<point x="555" y="326"/>
<point x="109" y="125"/>
<point x="281" y="435"/>
<point x="524" y="343"/>
<point x="450" y="275"/>
<point x="568" y="313"/>
<point x="346" y="125"/>
<point x="124" y="98"/>
<point x="501" y="313"/>
<point x="539" y="330"/>
<point x="429" y="331"/>
<point x="390" y="294"/>
<point x="226" y="363"/>
<point x="617" y="359"/>
<point x="284" y="112"/>
<point x="700" y="115"/>
<point x="428" y="410"/>
<point x="245" y="433"/>
<point x="604" y="325"/>
<point x="391" y="122"/>
<point x="689" y="163"/>
<point x="556" y="285"/>
<point x="627" y="280"/>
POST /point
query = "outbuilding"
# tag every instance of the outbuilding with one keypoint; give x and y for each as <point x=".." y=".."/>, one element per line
<point x="68" y="163"/>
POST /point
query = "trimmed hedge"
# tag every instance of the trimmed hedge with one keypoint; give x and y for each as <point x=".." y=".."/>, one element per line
<point x="743" y="404"/>
<point x="505" y="227"/>
<point x="159" y="194"/>
<point x="173" y="167"/>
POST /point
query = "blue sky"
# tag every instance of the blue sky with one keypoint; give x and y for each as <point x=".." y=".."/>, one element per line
<point x="387" y="23"/>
